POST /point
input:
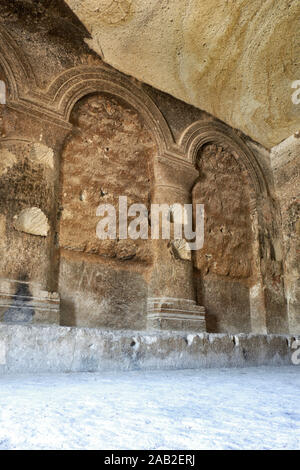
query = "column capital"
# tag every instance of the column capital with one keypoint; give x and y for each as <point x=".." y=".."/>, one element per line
<point x="174" y="172"/>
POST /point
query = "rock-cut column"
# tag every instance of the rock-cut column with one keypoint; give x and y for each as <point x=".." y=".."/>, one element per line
<point x="28" y="218"/>
<point x="172" y="298"/>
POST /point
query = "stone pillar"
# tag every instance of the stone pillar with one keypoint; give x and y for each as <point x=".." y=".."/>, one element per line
<point x="29" y="171"/>
<point x="172" y="298"/>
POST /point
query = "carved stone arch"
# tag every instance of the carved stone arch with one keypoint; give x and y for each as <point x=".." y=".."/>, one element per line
<point x="115" y="137"/>
<point x="17" y="69"/>
<point x="72" y="85"/>
<point x="201" y="133"/>
<point x="231" y="276"/>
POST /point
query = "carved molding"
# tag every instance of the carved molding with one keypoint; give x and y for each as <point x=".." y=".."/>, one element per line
<point x="175" y="314"/>
<point x="174" y="173"/>
<point x="19" y="74"/>
<point x="80" y="81"/>
<point x="55" y="104"/>
<point x="201" y="133"/>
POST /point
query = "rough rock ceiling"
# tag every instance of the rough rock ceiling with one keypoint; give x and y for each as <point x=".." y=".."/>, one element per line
<point x="236" y="59"/>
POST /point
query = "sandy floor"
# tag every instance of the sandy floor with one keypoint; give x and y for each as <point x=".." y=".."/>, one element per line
<point x="205" y="409"/>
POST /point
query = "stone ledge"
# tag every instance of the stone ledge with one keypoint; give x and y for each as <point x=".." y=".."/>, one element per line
<point x="44" y="349"/>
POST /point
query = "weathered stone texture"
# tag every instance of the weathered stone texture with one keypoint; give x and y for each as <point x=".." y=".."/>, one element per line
<point x="42" y="349"/>
<point x="227" y="304"/>
<point x="70" y="140"/>
<point x="225" y="264"/>
<point x="235" y="59"/>
<point x="23" y="185"/>
<point x="7" y="160"/>
<point x="223" y="189"/>
<point x="286" y="166"/>
<point x="32" y="221"/>
<point x="180" y="249"/>
<point x="23" y="302"/>
<point x="101" y="295"/>
<point x="108" y="155"/>
<point x="42" y="154"/>
<point x="51" y="36"/>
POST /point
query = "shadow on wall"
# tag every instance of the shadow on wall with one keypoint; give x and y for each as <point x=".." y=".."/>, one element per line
<point x="20" y="311"/>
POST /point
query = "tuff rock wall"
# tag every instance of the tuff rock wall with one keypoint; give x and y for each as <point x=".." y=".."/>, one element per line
<point x="286" y="167"/>
<point x="74" y="133"/>
<point x="109" y="154"/>
<point x="236" y="59"/>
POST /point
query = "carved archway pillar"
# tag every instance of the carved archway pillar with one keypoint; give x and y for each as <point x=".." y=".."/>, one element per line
<point x="172" y="298"/>
<point x="29" y="151"/>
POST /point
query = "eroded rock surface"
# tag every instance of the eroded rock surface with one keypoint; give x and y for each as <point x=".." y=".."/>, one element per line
<point x="109" y="155"/>
<point x="222" y="188"/>
<point x="42" y="154"/>
<point x="7" y="160"/>
<point x="32" y="221"/>
<point x="235" y="59"/>
<point x="286" y="164"/>
<point x="225" y="264"/>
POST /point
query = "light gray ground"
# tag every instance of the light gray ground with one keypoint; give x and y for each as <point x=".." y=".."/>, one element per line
<point x="254" y="408"/>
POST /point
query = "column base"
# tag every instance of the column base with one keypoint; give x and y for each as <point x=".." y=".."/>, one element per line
<point x="167" y="313"/>
<point x="23" y="303"/>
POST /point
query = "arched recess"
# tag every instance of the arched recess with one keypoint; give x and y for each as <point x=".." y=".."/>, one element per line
<point x="232" y="187"/>
<point x="201" y="133"/>
<point x="112" y="280"/>
<point x="108" y="154"/>
<point x="69" y="87"/>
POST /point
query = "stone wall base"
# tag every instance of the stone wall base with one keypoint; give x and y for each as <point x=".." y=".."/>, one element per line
<point x="44" y="349"/>
<point x="23" y="303"/>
